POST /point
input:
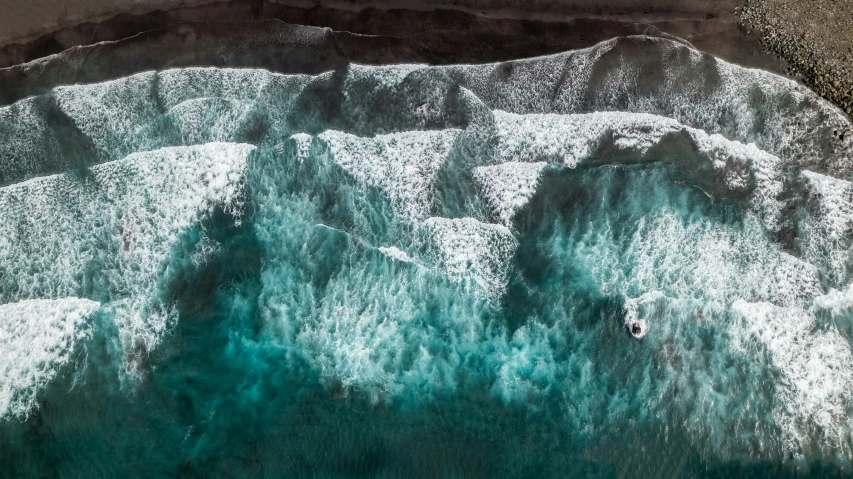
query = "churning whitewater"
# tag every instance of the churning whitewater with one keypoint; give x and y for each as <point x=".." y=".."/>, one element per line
<point x="632" y="244"/>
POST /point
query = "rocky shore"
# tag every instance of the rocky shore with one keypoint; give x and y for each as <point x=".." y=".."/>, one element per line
<point x="814" y="37"/>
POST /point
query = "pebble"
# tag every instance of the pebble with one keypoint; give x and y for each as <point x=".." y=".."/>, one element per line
<point x="815" y="54"/>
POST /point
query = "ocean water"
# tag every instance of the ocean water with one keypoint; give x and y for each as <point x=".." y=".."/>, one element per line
<point x="632" y="260"/>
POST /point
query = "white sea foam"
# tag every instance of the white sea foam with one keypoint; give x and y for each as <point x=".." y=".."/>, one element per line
<point x="835" y="301"/>
<point x="403" y="165"/>
<point x="376" y="79"/>
<point x="303" y="146"/>
<point x="784" y="117"/>
<point x="26" y="144"/>
<point x="203" y="104"/>
<point x="637" y="312"/>
<point x="37" y="338"/>
<point x="395" y="253"/>
<point x="124" y="217"/>
<point x="527" y="364"/>
<point x="528" y="85"/>
<point x="261" y="96"/>
<point x="390" y="98"/>
<point x="206" y="120"/>
<point x="241" y="85"/>
<point x="827" y="227"/>
<point x="373" y="334"/>
<point x="748" y="105"/>
<point x="742" y="167"/>
<point x="467" y="247"/>
<point x="507" y="187"/>
<point x="816" y="387"/>
<point x="116" y="115"/>
<point x="710" y="263"/>
<point x="722" y="166"/>
<point x="834" y="198"/>
<point x="571" y="139"/>
<point x="268" y="95"/>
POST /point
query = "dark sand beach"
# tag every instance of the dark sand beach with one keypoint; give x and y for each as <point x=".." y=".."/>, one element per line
<point x="808" y="41"/>
<point x="118" y="38"/>
<point x="499" y="30"/>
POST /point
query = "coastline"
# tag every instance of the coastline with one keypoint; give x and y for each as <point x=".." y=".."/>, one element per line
<point x="25" y="22"/>
<point x="428" y="31"/>
<point x="446" y="32"/>
<point x="815" y="38"/>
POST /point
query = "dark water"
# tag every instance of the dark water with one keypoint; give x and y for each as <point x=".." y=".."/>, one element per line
<point x="378" y="273"/>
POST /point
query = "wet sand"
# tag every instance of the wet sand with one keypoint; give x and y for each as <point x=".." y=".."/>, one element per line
<point x="433" y="31"/>
<point x="456" y="30"/>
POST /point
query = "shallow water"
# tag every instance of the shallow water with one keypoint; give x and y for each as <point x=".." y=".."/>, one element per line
<point x="414" y="271"/>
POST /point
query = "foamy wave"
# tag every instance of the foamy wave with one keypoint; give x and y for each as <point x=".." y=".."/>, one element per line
<point x="827" y="224"/>
<point x="115" y="115"/>
<point x="180" y="107"/>
<point x="720" y="166"/>
<point x="710" y="263"/>
<point x="475" y="143"/>
<point x="395" y="253"/>
<point x="836" y="302"/>
<point x="27" y="145"/>
<point x="124" y="216"/>
<point x="208" y="120"/>
<point x="658" y="76"/>
<point x="635" y="74"/>
<point x="572" y="139"/>
<point x="186" y="84"/>
<point x="465" y="246"/>
<point x="37" y="338"/>
<point x="508" y="186"/>
<point x="816" y="388"/>
<point x="403" y="165"/>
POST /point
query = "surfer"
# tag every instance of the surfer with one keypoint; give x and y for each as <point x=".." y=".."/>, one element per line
<point x="636" y="330"/>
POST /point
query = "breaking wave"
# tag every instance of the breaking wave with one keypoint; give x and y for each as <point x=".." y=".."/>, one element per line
<point x="634" y="235"/>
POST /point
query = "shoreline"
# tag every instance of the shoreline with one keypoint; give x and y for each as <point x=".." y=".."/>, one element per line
<point x="27" y="22"/>
<point x="751" y="34"/>
<point x="503" y="33"/>
<point x="815" y="38"/>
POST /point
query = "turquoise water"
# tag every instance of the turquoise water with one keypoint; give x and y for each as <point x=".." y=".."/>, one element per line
<point x="417" y="271"/>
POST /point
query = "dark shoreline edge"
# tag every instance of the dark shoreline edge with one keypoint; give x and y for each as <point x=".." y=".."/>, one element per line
<point x="224" y="33"/>
<point x="263" y="34"/>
